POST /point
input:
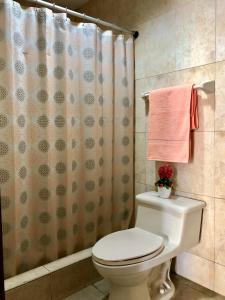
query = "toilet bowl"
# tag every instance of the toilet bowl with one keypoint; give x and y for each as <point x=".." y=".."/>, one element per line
<point x="164" y="228"/>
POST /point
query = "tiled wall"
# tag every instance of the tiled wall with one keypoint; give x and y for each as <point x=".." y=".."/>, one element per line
<point x="180" y="42"/>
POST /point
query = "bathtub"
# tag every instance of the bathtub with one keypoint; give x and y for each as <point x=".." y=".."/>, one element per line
<point x="55" y="280"/>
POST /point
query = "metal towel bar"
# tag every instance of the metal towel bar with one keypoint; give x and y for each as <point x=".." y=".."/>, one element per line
<point x="208" y="87"/>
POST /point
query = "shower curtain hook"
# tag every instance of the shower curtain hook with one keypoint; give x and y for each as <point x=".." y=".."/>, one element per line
<point x="36" y="8"/>
<point x="53" y="6"/>
<point x="99" y="21"/>
<point x="66" y="14"/>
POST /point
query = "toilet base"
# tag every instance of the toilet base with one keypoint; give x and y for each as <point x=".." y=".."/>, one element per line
<point x="160" y="285"/>
<point x="136" y="292"/>
<point x="157" y="286"/>
<point x="145" y="284"/>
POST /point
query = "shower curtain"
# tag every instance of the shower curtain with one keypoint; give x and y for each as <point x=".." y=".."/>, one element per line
<point x="66" y="134"/>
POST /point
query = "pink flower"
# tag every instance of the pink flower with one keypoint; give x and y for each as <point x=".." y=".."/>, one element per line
<point x="165" y="171"/>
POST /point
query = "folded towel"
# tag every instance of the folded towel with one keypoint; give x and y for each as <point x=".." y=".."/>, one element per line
<point x="173" y="113"/>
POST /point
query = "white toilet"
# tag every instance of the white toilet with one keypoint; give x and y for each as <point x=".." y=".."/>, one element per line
<point x="164" y="228"/>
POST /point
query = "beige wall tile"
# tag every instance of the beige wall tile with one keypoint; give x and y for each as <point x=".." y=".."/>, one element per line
<point x="220" y="279"/>
<point x="157" y="82"/>
<point x="139" y="188"/>
<point x="150" y="170"/>
<point x="196" y="177"/>
<point x="195" y="34"/>
<point x="150" y="174"/>
<point x="195" y="268"/>
<point x="220" y="30"/>
<point x="154" y="49"/>
<point x="179" y="3"/>
<point x="220" y="97"/>
<point x="219" y="164"/>
<point x="140" y="156"/>
<point x="130" y="13"/>
<point x="137" y="12"/>
<point x="220" y="231"/>
<point x="106" y="10"/>
<point x="35" y="290"/>
<point x="140" y="106"/>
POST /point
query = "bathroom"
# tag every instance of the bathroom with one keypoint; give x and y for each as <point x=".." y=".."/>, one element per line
<point x="74" y="127"/>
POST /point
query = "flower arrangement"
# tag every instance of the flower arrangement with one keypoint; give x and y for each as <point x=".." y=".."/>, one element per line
<point x="165" y="177"/>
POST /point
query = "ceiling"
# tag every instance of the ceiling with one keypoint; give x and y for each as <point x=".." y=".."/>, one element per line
<point x="72" y="4"/>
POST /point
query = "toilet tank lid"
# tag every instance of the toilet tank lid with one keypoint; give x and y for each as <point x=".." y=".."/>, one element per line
<point x="181" y="205"/>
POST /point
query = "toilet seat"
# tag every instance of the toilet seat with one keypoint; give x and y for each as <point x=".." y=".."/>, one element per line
<point x="127" y="247"/>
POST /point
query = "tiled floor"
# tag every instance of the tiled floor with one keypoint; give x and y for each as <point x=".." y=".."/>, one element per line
<point x="185" y="290"/>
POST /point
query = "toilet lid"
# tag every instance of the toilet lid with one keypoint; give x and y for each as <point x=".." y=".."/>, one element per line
<point x="120" y="247"/>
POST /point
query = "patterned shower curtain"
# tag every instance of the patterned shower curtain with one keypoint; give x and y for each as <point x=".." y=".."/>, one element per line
<point x="66" y="135"/>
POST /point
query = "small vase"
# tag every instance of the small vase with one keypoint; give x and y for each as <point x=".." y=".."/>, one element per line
<point x="164" y="192"/>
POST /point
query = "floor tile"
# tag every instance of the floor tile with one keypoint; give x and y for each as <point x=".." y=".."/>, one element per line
<point x="220" y="279"/>
<point x="89" y="293"/>
<point x="103" y="286"/>
<point x="188" y="293"/>
<point x="185" y="290"/>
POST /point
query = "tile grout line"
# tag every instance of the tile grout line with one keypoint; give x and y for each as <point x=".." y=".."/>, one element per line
<point x="214" y="159"/>
<point x="178" y="70"/>
<point x="192" y="285"/>
<point x="98" y="289"/>
<point x="196" y="131"/>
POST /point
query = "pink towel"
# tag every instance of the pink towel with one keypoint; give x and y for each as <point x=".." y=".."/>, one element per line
<point x="173" y="113"/>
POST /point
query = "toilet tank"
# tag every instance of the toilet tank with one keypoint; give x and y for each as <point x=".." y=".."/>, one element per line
<point x="178" y="220"/>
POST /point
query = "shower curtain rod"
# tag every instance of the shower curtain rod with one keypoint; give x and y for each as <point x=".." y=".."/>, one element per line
<point x="84" y="16"/>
